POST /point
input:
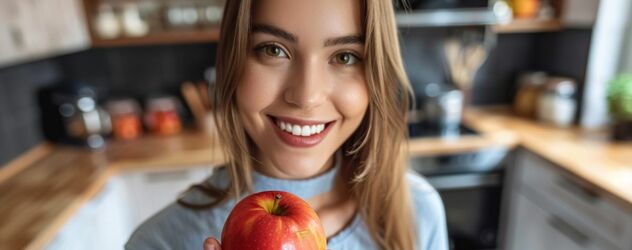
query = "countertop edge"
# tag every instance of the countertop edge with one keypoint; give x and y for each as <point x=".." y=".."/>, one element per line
<point x="48" y="234"/>
<point x="24" y="160"/>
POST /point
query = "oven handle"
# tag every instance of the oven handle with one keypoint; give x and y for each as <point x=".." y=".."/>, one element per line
<point x="463" y="181"/>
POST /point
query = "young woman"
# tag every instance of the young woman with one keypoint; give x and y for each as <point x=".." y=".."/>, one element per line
<point x="311" y="99"/>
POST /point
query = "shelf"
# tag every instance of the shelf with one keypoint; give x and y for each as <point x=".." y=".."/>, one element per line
<point x="528" y="25"/>
<point x="443" y="18"/>
<point x="162" y="38"/>
<point x="212" y="35"/>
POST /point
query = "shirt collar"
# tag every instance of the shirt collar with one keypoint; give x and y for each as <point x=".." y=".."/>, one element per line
<point x="304" y="188"/>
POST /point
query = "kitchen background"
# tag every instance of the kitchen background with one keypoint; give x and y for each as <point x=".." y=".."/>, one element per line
<point x="146" y="49"/>
<point x="147" y="68"/>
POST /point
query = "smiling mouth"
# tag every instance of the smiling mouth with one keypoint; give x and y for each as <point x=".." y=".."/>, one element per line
<point x="300" y="128"/>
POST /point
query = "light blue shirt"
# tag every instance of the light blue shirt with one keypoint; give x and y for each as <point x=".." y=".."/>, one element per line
<point x="177" y="227"/>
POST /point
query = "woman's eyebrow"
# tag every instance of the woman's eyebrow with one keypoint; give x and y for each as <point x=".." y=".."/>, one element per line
<point x="353" y="39"/>
<point x="275" y="31"/>
<point x="278" y="32"/>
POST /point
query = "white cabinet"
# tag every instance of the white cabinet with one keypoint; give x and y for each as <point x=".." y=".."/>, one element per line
<point x="12" y="40"/>
<point x="551" y="209"/>
<point x="33" y="29"/>
<point x="151" y="191"/>
<point x="101" y="224"/>
<point x="107" y="221"/>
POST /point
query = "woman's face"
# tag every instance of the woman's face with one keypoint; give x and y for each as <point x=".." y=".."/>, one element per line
<point x="303" y="91"/>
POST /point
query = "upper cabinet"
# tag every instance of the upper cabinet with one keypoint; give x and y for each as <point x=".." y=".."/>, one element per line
<point x="34" y="29"/>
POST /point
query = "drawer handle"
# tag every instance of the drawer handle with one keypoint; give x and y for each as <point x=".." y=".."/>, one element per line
<point x="568" y="230"/>
<point x="463" y="181"/>
<point x="158" y="177"/>
<point x="17" y="38"/>
<point x="579" y="191"/>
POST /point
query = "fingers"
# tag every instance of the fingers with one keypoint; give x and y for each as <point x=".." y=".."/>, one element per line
<point x="211" y="244"/>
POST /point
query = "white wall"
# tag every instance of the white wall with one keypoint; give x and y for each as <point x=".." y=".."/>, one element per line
<point x="626" y="57"/>
<point x="606" y="48"/>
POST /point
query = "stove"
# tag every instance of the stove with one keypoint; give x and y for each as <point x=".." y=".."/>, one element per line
<point x="421" y="130"/>
<point x="470" y="185"/>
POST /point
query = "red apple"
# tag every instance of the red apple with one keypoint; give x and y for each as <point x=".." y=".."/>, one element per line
<point x="273" y="220"/>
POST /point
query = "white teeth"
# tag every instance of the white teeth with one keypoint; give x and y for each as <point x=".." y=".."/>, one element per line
<point x="296" y="130"/>
<point x="306" y="130"/>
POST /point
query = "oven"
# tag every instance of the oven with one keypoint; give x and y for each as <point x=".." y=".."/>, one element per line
<point x="470" y="185"/>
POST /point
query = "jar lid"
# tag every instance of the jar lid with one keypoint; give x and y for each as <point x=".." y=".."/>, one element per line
<point x="561" y="86"/>
<point x="536" y="78"/>
<point x="122" y="106"/>
<point x="162" y="103"/>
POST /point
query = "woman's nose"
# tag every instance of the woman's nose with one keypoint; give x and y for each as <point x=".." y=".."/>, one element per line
<point x="307" y="86"/>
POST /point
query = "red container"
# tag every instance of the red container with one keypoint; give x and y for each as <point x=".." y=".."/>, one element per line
<point x="126" y="122"/>
<point x="161" y="116"/>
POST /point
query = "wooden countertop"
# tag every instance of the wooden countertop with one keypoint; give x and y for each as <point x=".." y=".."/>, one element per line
<point x="432" y="146"/>
<point x="587" y="154"/>
<point x="44" y="188"/>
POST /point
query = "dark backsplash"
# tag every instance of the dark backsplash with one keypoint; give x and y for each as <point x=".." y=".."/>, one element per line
<point x="141" y="71"/>
<point x="129" y="71"/>
<point x="563" y="53"/>
<point x="19" y="114"/>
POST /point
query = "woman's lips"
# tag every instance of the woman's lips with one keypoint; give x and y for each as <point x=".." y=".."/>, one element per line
<point x="300" y="133"/>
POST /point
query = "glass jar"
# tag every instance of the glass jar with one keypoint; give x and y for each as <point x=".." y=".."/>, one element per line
<point x="126" y="122"/>
<point x="161" y="116"/>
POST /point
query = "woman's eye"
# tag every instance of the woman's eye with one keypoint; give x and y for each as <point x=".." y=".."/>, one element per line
<point x="274" y="51"/>
<point x="346" y="58"/>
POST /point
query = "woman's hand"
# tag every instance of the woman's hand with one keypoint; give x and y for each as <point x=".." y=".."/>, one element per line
<point x="212" y="244"/>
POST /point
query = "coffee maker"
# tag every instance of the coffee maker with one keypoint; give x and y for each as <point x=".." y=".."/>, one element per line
<point x="70" y="115"/>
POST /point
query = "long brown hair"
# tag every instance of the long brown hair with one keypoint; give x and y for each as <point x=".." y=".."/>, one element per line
<point x="377" y="148"/>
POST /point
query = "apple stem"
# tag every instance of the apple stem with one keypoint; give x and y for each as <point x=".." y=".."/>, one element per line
<point x="275" y="207"/>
